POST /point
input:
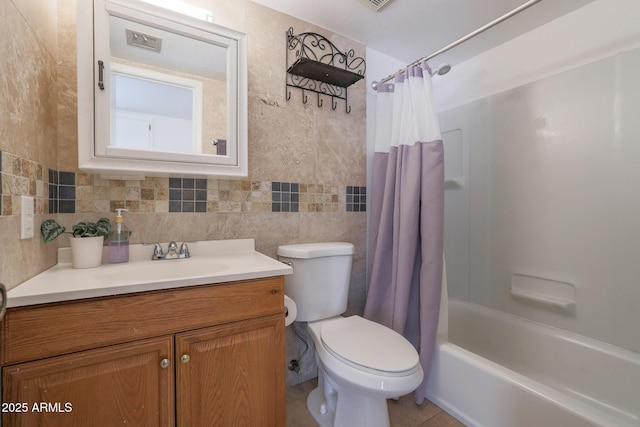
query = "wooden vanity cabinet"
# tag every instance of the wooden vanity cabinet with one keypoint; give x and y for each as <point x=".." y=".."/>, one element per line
<point x="209" y="355"/>
<point x="226" y="376"/>
<point x="116" y="385"/>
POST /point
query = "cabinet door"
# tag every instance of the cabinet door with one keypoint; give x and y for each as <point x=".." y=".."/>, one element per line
<point x="126" y="384"/>
<point x="232" y="375"/>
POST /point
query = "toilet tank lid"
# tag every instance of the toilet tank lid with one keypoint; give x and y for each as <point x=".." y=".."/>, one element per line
<point x="315" y="250"/>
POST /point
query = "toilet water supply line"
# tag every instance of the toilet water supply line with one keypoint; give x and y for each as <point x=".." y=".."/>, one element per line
<point x="294" y="364"/>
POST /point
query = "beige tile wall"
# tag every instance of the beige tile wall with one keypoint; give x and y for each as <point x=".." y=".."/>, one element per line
<point x="28" y="127"/>
<point x="320" y="148"/>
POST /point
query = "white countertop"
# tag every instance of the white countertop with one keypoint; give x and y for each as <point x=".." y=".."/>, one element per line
<point x="212" y="261"/>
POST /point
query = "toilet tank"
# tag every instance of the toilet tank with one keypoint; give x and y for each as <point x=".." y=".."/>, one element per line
<point x="319" y="284"/>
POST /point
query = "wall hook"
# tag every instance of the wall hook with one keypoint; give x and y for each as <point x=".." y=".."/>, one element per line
<point x="315" y="64"/>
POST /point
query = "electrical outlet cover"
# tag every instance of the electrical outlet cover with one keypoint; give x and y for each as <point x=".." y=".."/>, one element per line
<point x="26" y="217"/>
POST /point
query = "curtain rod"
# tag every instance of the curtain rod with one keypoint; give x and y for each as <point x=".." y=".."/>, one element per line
<point x="461" y="40"/>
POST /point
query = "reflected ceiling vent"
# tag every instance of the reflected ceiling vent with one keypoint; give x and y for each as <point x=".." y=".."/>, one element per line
<point x="146" y="41"/>
<point x="376" y="4"/>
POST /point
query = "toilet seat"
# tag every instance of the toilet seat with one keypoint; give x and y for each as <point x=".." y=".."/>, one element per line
<point x="369" y="346"/>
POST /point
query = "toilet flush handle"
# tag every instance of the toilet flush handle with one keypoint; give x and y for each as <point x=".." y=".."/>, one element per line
<point x="289" y="263"/>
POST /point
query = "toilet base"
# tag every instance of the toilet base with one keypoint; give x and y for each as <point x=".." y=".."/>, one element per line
<point x="314" y="402"/>
<point x="363" y="411"/>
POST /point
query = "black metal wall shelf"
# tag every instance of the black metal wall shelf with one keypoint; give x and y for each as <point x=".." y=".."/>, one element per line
<point x="320" y="67"/>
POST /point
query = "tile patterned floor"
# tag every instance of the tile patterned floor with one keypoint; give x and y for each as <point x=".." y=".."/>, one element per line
<point x="403" y="412"/>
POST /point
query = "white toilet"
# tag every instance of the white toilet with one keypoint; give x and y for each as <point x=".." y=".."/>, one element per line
<point x="360" y="363"/>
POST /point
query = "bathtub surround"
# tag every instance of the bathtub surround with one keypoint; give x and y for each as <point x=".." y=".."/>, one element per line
<point x="552" y="173"/>
<point x="533" y="375"/>
<point x="550" y="153"/>
<point x="320" y="149"/>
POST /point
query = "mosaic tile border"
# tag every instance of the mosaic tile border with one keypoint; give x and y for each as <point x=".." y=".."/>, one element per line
<point x="62" y="192"/>
<point x="21" y="177"/>
<point x="78" y="192"/>
<point x="356" y="199"/>
<point x="187" y="195"/>
<point x="285" y="197"/>
<point x="301" y="197"/>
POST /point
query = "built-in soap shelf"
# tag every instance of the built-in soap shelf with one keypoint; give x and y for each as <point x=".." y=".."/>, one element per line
<point x="544" y="291"/>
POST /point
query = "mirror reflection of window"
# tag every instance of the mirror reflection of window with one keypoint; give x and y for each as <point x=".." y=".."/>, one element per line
<point x="149" y="54"/>
<point x="141" y="117"/>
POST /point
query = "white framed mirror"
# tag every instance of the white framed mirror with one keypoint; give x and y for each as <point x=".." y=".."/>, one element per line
<point x="159" y="93"/>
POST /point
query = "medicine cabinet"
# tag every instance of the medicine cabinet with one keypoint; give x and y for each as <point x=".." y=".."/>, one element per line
<point x="159" y="93"/>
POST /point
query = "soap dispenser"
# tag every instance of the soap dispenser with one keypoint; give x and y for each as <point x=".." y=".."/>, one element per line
<point x="119" y="240"/>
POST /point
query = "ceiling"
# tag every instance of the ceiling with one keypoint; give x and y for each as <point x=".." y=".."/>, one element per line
<point x="407" y="30"/>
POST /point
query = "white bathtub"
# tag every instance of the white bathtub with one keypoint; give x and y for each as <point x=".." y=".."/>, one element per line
<point x="499" y="370"/>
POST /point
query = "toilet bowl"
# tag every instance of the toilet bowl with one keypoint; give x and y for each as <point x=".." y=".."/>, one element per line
<point x="360" y="363"/>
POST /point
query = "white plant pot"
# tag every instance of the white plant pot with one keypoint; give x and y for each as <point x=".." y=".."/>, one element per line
<point x="86" y="252"/>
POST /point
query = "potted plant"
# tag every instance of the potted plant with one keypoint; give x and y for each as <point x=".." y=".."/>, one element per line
<point x="87" y="239"/>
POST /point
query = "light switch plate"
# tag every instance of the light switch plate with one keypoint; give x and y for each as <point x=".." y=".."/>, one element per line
<point x="26" y="217"/>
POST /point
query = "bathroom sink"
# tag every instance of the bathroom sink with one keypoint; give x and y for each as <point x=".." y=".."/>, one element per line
<point x="211" y="261"/>
<point x="162" y="270"/>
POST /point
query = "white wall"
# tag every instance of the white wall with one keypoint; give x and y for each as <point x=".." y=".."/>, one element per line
<point x="596" y="31"/>
<point x="551" y="152"/>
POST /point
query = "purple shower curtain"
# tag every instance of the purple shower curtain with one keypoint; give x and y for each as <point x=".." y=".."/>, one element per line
<point x="405" y="259"/>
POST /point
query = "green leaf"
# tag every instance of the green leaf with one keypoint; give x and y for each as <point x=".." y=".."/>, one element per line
<point x="80" y="229"/>
<point x="92" y="229"/>
<point x="50" y="230"/>
<point x="103" y="227"/>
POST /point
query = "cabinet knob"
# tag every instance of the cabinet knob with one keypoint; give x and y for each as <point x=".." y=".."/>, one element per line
<point x="164" y="363"/>
<point x="185" y="358"/>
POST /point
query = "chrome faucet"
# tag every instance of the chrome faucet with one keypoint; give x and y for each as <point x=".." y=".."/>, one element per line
<point x="157" y="251"/>
<point x="172" y="251"/>
<point x="184" y="249"/>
